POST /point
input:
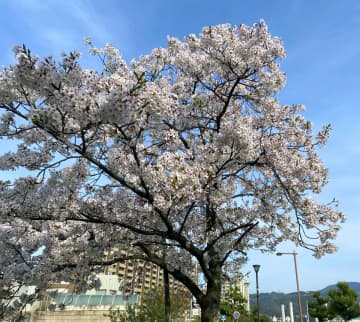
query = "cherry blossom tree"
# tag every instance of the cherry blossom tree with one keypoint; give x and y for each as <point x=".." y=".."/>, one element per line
<point x="184" y="155"/>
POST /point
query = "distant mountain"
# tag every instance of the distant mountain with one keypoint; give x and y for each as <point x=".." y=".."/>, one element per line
<point x="354" y="285"/>
<point x="270" y="303"/>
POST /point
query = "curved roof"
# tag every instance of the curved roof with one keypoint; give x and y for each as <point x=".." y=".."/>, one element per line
<point x="94" y="300"/>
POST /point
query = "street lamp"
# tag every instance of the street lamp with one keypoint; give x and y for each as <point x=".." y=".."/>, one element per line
<point x="256" y="269"/>
<point x="297" y="283"/>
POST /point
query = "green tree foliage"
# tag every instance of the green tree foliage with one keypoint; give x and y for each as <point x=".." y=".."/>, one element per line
<point x="132" y="314"/>
<point x="343" y="302"/>
<point x="253" y="316"/>
<point x="152" y="308"/>
<point x="233" y="301"/>
<point x="318" y="308"/>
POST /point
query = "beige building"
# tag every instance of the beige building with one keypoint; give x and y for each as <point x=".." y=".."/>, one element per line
<point x="242" y="284"/>
<point x="139" y="277"/>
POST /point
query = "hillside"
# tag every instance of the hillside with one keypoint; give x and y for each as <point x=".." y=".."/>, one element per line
<point x="354" y="285"/>
<point x="270" y="303"/>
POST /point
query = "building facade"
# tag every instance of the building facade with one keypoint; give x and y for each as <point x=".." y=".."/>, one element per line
<point x="241" y="284"/>
<point x="140" y="277"/>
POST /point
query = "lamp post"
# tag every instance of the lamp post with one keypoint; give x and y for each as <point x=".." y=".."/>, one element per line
<point x="256" y="269"/>
<point x="297" y="283"/>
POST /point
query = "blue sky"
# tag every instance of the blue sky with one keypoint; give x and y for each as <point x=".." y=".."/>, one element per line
<point x="323" y="72"/>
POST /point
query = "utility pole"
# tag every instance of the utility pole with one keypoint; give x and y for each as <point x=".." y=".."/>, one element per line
<point x="297" y="283"/>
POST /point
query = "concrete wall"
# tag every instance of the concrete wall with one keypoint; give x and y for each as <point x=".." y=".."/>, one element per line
<point x="69" y="316"/>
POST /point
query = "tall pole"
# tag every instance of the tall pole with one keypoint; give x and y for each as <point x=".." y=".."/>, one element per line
<point x="256" y="269"/>
<point x="298" y="288"/>
<point x="283" y="313"/>
<point x="297" y="283"/>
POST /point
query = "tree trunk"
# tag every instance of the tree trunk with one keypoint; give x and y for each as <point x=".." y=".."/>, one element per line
<point x="210" y="304"/>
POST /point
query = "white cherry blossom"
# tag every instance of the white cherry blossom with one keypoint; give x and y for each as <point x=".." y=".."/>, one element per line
<point x="185" y="152"/>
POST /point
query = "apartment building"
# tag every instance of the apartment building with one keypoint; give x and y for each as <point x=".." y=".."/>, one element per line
<point x="139" y="277"/>
<point x="241" y="284"/>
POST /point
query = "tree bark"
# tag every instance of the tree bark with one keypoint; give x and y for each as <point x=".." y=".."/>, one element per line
<point x="210" y="303"/>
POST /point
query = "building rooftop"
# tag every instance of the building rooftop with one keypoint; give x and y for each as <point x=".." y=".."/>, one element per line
<point x="94" y="300"/>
